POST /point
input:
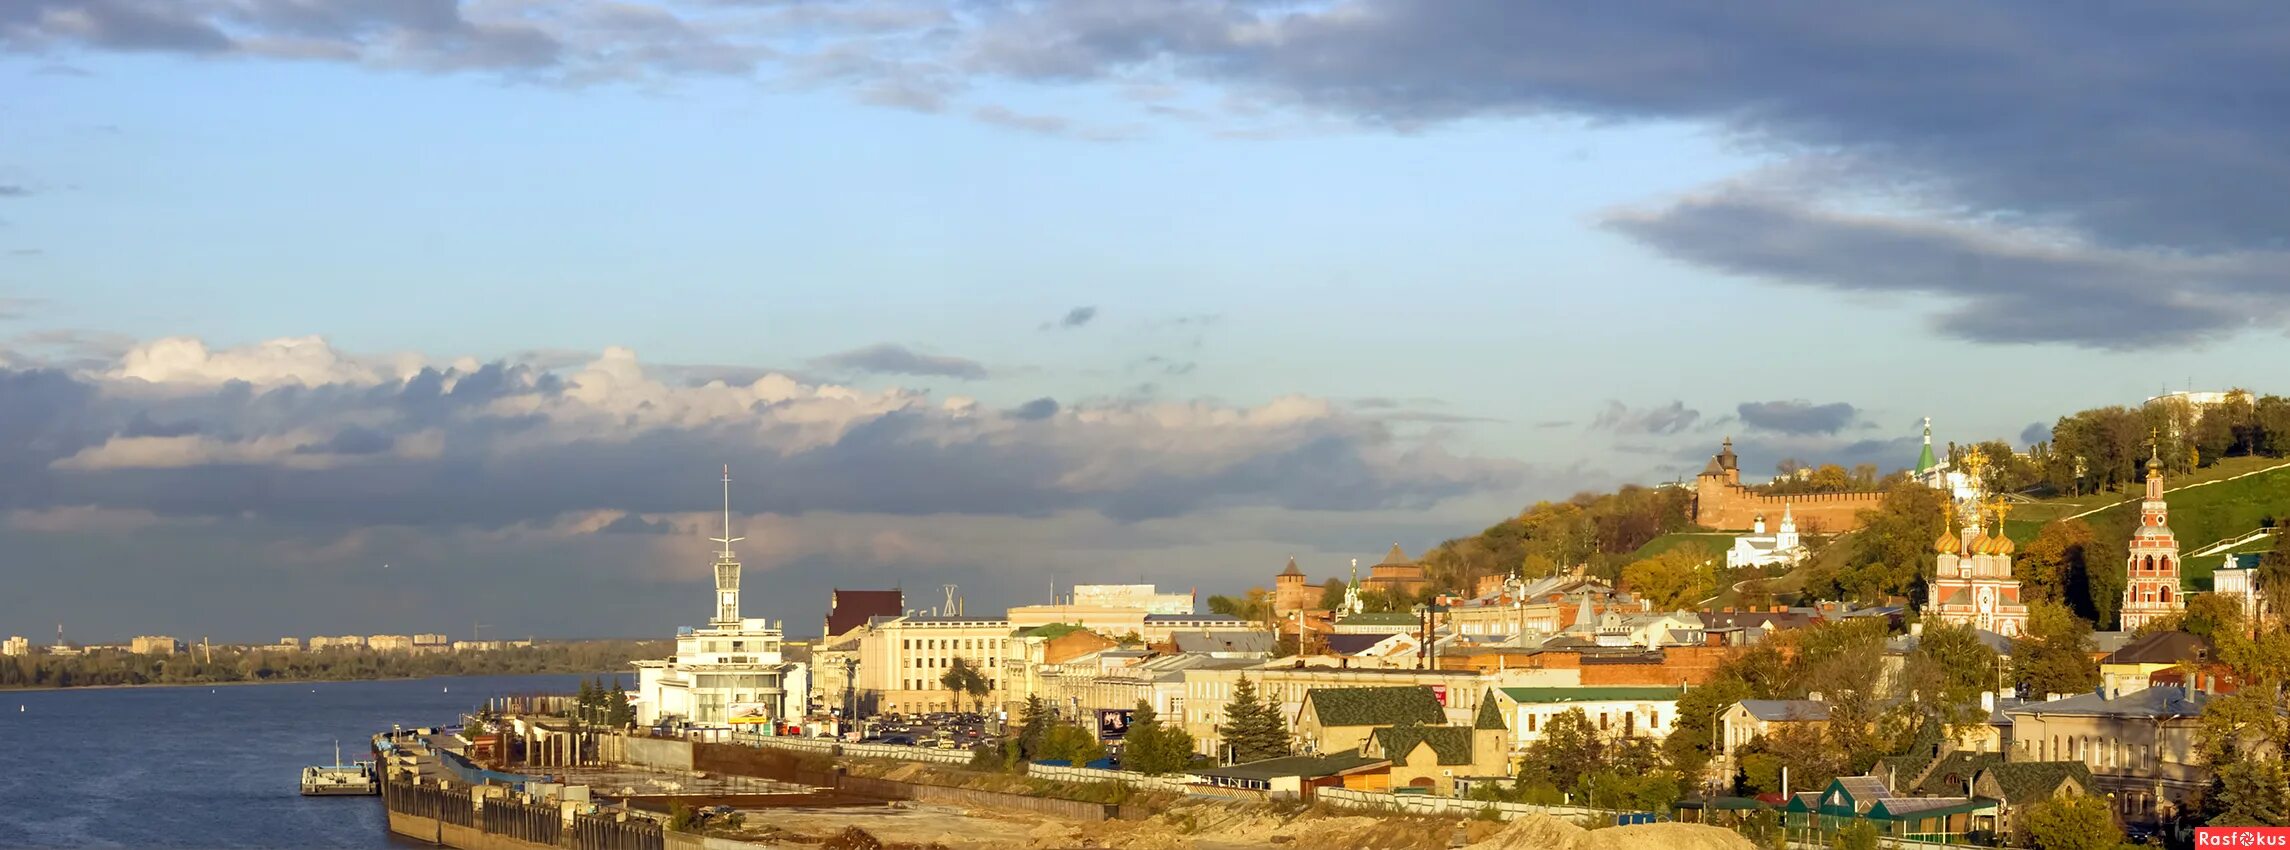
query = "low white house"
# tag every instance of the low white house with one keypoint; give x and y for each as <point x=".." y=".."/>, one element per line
<point x="1759" y="549"/>
<point x="1643" y="711"/>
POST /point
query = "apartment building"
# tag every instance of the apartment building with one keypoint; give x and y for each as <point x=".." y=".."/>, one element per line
<point x="16" y="645"/>
<point x="389" y="643"/>
<point x="902" y="661"/>
<point x="154" y="645"/>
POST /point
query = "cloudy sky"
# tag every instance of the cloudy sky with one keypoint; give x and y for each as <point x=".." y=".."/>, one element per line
<point x="1009" y="295"/>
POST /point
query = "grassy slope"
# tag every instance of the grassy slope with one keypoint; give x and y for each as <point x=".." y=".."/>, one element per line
<point x="1714" y="542"/>
<point x="2206" y="507"/>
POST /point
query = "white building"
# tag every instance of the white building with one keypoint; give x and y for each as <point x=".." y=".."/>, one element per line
<point x="1759" y="549"/>
<point x="903" y="662"/>
<point x="16" y="645"/>
<point x="2235" y="579"/>
<point x="1615" y="711"/>
<point x="1143" y="596"/>
<point x="732" y="671"/>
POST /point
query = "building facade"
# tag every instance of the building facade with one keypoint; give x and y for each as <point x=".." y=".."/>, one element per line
<point x="15" y="646"/>
<point x="903" y="662"/>
<point x="1783" y="547"/>
<point x="733" y="672"/>
<point x="155" y="645"/>
<point x="2141" y="746"/>
<point x="2151" y="587"/>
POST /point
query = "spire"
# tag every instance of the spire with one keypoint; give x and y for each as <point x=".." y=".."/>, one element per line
<point x="727" y="539"/>
<point x="1925" y="461"/>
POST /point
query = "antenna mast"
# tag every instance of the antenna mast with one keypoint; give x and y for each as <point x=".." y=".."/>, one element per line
<point x="727" y="539"/>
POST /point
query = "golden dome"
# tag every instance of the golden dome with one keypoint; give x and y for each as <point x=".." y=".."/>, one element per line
<point x="1948" y="543"/>
<point x="1980" y="543"/>
<point x="2002" y="545"/>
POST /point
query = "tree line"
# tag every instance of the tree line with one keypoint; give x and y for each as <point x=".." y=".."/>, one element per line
<point x="265" y="665"/>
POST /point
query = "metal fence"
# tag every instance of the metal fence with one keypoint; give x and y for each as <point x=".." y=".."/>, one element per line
<point x="533" y="822"/>
<point x="437" y="804"/>
<point x="600" y="832"/>
<point x="540" y="824"/>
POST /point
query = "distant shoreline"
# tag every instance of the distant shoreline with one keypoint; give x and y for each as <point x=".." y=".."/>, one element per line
<point x="329" y="681"/>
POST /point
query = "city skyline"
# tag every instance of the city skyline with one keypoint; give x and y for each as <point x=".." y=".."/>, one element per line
<point x="1006" y="294"/>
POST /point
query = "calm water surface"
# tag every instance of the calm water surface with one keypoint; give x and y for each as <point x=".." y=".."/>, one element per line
<point x="210" y="767"/>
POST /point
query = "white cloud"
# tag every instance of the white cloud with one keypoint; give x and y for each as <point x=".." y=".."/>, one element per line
<point x="308" y="361"/>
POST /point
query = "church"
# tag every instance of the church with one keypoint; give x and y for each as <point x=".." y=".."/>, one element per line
<point x="1972" y="584"/>
<point x="2151" y="588"/>
<point x="1759" y="549"/>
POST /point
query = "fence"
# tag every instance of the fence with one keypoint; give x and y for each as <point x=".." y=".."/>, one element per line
<point x="536" y="824"/>
<point x="1133" y="780"/>
<point x="866" y="751"/>
<point x="1423" y="804"/>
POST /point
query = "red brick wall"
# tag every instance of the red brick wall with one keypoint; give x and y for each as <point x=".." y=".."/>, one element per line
<point x="1732" y="507"/>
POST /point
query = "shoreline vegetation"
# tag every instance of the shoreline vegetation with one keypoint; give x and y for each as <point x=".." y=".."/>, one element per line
<point x="256" y="665"/>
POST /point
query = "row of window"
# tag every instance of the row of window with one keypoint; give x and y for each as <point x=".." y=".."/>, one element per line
<point x="942" y="662"/>
<point x="925" y="685"/>
<point x="1606" y="720"/>
<point x="926" y="644"/>
<point x="2095" y="752"/>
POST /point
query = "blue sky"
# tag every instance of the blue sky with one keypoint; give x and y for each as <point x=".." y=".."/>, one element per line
<point x="1441" y="259"/>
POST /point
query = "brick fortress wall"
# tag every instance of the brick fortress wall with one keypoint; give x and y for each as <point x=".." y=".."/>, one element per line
<point x="1721" y="504"/>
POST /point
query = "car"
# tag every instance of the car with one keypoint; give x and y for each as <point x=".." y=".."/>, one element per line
<point x="899" y="741"/>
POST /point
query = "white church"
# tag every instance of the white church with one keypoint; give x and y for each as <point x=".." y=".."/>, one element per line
<point x="1759" y="549"/>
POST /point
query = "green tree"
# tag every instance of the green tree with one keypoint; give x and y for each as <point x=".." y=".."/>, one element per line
<point x="619" y="714"/>
<point x="1253" y="727"/>
<point x="1033" y="727"/>
<point x="1070" y="743"/>
<point x="1887" y="553"/>
<point x="1858" y="835"/>
<point x="1153" y="748"/>
<point x="1758" y="672"/>
<point x="961" y="679"/>
<point x="1675" y="578"/>
<point x="1946" y="673"/>
<point x="1332" y="594"/>
<point x="2273" y="574"/>
<point x="1569" y="748"/>
<point x="2071" y="823"/>
<point x="2054" y="655"/>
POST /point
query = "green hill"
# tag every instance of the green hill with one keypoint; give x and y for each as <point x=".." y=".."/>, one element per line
<point x="1715" y="542"/>
<point x="2227" y="500"/>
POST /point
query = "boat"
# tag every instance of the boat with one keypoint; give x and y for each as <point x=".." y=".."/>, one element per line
<point x="356" y="779"/>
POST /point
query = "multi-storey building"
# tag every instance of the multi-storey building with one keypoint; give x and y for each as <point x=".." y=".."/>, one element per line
<point x="1141" y="596"/>
<point x="2141" y="746"/>
<point x="432" y="643"/>
<point x="340" y="642"/>
<point x="2152" y="587"/>
<point x="903" y="662"/>
<point x="16" y="645"/>
<point x="389" y="643"/>
<point x="733" y="672"/>
<point x="1209" y="690"/>
<point x="154" y="645"/>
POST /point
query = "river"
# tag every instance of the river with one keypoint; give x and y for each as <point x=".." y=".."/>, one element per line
<point x="195" y="767"/>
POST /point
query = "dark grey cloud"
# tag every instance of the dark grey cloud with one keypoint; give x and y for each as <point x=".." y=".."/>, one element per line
<point x="1073" y="318"/>
<point x="888" y="359"/>
<point x="1665" y="419"/>
<point x="1798" y="416"/>
<point x="2036" y="432"/>
<point x="633" y="524"/>
<point x="1555" y="423"/>
<point x="1038" y="409"/>
<point x="11" y="190"/>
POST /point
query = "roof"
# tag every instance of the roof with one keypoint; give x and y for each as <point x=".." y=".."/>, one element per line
<point x="2161" y="648"/>
<point x="1904" y="808"/>
<point x="1382" y="706"/>
<point x="1348" y="761"/>
<point x="1953" y="773"/>
<point x="1381" y="618"/>
<point x="1786" y="709"/>
<point x="1292" y="569"/>
<point x="2162" y="701"/>
<point x="1237" y="640"/>
<point x="850" y="609"/>
<point x="1451" y="745"/>
<point x="1396" y="557"/>
<point x="1192" y="618"/>
<point x="2000" y="644"/>
<point x="1343" y="644"/>
<point x="1490" y="716"/>
<point x="1617" y="693"/>
<point x="2030" y="781"/>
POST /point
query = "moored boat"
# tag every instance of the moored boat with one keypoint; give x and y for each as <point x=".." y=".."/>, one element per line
<point x="341" y="780"/>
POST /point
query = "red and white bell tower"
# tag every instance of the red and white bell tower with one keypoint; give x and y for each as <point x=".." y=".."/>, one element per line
<point x="2152" y="588"/>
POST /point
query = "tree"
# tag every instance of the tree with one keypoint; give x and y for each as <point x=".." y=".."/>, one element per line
<point x="1569" y="748"/>
<point x="1253" y="727"/>
<point x="1887" y="553"/>
<point x="1675" y="578"/>
<point x="1858" y="835"/>
<point x="1070" y="743"/>
<point x="1946" y="673"/>
<point x="618" y="713"/>
<point x="2273" y="574"/>
<point x="2071" y="823"/>
<point x="1153" y="748"/>
<point x="2054" y="656"/>
<point x="1332" y="594"/>
<point x="962" y="679"/>
<point x="1755" y="673"/>
<point x="1033" y="727"/>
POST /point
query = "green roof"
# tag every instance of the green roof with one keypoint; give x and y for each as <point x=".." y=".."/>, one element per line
<point x="1490" y="715"/>
<point x="1926" y="461"/>
<point x="1386" y="706"/>
<point x="1607" y="694"/>
<point x="1952" y="774"/>
<point x="1052" y="630"/>
<point x="1452" y="744"/>
<point x="2031" y="781"/>
<point x="1381" y="618"/>
<point x="1304" y="766"/>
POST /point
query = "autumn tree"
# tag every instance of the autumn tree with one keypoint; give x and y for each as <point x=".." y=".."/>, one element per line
<point x="961" y="679"/>
<point x="1888" y="552"/>
<point x="2071" y="823"/>
<point x="1675" y="578"/>
<point x="1569" y="748"/>
<point x="1946" y="673"/>
<point x="2054" y="655"/>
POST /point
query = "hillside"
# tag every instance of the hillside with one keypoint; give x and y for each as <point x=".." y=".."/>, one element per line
<point x="2224" y="501"/>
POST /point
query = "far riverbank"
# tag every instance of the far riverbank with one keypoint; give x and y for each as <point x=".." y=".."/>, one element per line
<point x="265" y="666"/>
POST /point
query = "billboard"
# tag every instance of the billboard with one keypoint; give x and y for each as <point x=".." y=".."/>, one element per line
<point x="748" y="712"/>
<point x="1113" y="723"/>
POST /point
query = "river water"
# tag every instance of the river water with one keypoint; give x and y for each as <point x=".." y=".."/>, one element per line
<point x="199" y="767"/>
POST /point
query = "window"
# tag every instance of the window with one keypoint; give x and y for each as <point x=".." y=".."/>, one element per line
<point x="1602" y="721"/>
<point x="1530" y="723"/>
<point x="1653" y="720"/>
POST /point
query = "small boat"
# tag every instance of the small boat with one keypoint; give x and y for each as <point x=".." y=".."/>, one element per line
<point x="356" y="779"/>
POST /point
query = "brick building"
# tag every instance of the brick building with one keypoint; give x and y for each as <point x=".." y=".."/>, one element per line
<point x="1721" y="501"/>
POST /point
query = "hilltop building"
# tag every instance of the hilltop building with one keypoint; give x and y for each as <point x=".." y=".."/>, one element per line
<point x="1721" y="501"/>
<point x="733" y="672"/>
<point x="1143" y="597"/>
<point x="1961" y="485"/>
<point x="1292" y="591"/>
<point x="2236" y="578"/>
<point x="1759" y="549"/>
<point x="2152" y="570"/>
<point x="1398" y="575"/>
<point x="1972" y="583"/>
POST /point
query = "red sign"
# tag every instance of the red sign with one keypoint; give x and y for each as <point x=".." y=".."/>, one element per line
<point x="1439" y="692"/>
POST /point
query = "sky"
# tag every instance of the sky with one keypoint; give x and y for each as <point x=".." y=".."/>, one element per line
<point x="359" y="316"/>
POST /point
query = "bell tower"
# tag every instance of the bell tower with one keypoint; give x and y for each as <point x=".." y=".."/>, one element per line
<point x="2151" y="587"/>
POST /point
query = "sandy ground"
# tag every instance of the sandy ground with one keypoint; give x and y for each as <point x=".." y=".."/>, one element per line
<point x="620" y="781"/>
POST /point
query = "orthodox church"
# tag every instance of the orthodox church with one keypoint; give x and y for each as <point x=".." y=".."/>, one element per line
<point x="1973" y="584"/>
<point x="1759" y="549"/>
